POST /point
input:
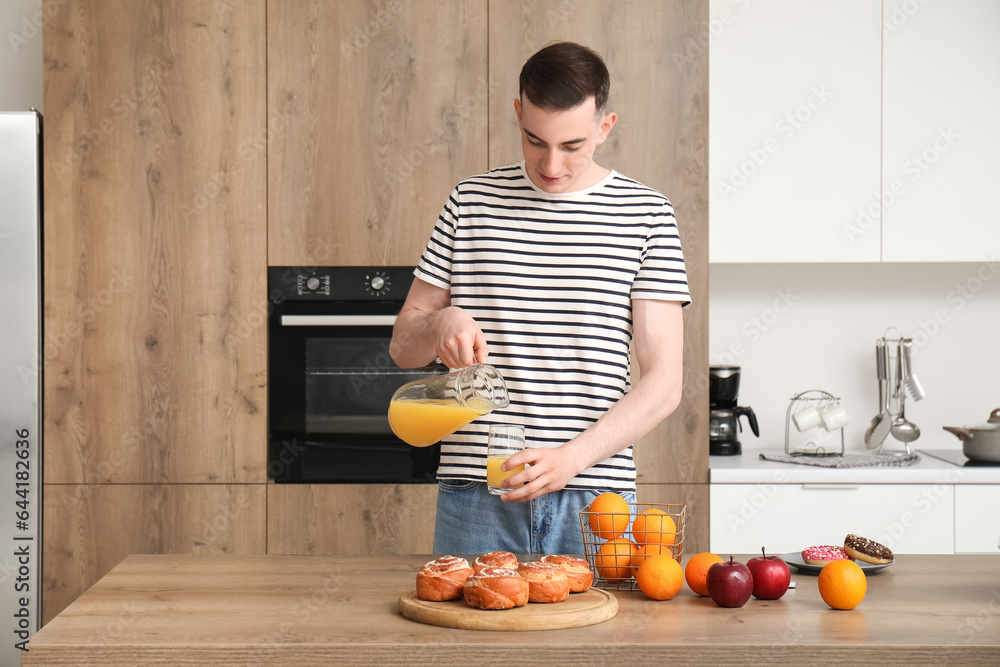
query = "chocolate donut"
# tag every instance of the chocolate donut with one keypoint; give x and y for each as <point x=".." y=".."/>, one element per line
<point x="866" y="550"/>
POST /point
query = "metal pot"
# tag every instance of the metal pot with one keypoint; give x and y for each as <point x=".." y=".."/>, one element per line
<point x="982" y="441"/>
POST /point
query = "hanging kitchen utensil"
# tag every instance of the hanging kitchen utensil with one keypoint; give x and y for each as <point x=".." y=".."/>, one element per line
<point x="881" y="393"/>
<point x="903" y="429"/>
<point x="880" y="428"/>
<point x="912" y="383"/>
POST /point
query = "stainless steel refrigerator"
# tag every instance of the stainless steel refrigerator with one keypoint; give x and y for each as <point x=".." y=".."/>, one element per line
<point x="21" y="338"/>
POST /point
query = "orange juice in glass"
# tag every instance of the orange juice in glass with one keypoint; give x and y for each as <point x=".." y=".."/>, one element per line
<point x="424" y="411"/>
<point x="505" y="440"/>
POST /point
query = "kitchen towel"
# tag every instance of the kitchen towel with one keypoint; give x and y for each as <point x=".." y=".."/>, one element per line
<point x="846" y="460"/>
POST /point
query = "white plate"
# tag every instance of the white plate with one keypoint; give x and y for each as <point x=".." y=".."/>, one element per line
<point x="794" y="559"/>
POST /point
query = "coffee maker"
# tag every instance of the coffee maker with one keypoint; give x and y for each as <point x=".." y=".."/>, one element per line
<point x="724" y="413"/>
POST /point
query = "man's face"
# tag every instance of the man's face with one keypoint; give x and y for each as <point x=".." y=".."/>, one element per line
<point x="559" y="146"/>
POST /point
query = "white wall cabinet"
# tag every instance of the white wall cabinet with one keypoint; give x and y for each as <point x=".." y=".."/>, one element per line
<point x="794" y="113"/>
<point x="907" y="518"/>
<point x="977" y="524"/>
<point x="940" y="131"/>
<point x="857" y="131"/>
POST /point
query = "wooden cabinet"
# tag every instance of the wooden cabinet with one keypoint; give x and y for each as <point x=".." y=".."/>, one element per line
<point x="940" y="136"/>
<point x="351" y="518"/>
<point x="696" y="499"/>
<point x="660" y="139"/>
<point x="154" y="361"/>
<point x="399" y="518"/>
<point x="89" y="528"/>
<point x="375" y="112"/>
<point x="907" y="518"/>
<point x="795" y="119"/>
<point x="189" y="145"/>
<point x="659" y="93"/>
<point x="673" y="460"/>
<point x="155" y="231"/>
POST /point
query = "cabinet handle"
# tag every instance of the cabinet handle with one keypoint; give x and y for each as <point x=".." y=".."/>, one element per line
<point x="832" y="487"/>
<point x="337" y="320"/>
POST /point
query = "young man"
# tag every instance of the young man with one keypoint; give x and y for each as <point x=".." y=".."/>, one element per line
<point x="551" y="269"/>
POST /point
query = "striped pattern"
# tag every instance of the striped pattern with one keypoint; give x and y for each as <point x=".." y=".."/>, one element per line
<point x="549" y="278"/>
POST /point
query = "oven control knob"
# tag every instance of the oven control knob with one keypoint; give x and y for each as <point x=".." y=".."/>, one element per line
<point x="312" y="283"/>
<point x="377" y="283"/>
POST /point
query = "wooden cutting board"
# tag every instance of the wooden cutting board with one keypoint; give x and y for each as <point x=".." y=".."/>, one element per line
<point x="587" y="608"/>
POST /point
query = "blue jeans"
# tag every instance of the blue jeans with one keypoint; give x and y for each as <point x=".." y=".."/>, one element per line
<point x="470" y="520"/>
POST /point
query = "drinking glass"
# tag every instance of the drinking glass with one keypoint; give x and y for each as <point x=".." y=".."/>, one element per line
<point x="505" y="440"/>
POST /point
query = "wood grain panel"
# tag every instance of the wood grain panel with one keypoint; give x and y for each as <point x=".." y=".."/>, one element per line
<point x="659" y="89"/>
<point x="696" y="497"/>
<point x="382" y="109"/>
<point x="90" y="528"/>
<point x="155" y="137"/>
<point x="399" y="519"/>
<point x="350" y="518"/>
<point x="342" y="610"/>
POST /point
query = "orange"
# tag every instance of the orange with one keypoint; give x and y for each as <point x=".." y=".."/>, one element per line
<point x="697" y="571"/>
<point x="614" y="559"/>
<point x="842" y="584"/>
<point x="660" y="577"/>
<point x="654" y="527"/>
<point x="650" y="550"/>
<point x="611" y="515"/>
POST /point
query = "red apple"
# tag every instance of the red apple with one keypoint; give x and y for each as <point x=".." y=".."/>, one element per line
<point x="770" y="576"/>
<point x="729" y="584"/>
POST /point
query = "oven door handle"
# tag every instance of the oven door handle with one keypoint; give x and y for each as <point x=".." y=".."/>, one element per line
<point x="338" y="320"/>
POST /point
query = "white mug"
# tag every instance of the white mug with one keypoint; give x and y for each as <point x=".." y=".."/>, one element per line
<point x="806" y="418"/>
<point x="833" y="416"/>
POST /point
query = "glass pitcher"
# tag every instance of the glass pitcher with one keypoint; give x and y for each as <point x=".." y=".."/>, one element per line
<point x="425" y="410"/>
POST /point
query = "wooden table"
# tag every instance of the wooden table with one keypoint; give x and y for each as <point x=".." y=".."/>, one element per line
<point x="324" y="610"/>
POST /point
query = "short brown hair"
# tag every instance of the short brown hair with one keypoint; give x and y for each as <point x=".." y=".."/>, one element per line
<point x="563" y="75"/>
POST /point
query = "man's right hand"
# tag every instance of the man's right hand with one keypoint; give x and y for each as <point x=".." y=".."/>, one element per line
<point x="460" y="342"/>
<point x="428" y="326"/>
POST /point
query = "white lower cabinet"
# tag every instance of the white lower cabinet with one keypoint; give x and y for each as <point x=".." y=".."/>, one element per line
<point x="977" y="523"/>
<point x="907" y="518"/>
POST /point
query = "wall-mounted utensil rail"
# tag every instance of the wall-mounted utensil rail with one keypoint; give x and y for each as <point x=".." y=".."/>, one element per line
<point x="894" y="371"/>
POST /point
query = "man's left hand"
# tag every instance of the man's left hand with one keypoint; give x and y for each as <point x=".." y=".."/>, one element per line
<point x="549" y="470"/>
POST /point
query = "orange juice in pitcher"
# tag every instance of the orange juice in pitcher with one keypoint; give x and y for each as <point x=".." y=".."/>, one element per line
<point x="421" y="423"/>
<point x="424" y="411"/>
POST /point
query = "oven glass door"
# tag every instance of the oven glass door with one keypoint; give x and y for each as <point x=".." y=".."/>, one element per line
<point x="330" y="382"/>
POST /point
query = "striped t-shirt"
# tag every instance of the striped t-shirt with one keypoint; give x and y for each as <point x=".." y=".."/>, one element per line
<point x="549" y="279"/>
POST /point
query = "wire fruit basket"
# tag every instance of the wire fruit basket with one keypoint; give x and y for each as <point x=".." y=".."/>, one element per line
<point x="612" y="561"/>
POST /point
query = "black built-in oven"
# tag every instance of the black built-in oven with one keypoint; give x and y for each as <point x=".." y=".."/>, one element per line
<point x="330" y="377"/>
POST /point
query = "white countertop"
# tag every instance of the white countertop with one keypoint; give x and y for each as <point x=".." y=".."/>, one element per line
<point x="749" y="468"/>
